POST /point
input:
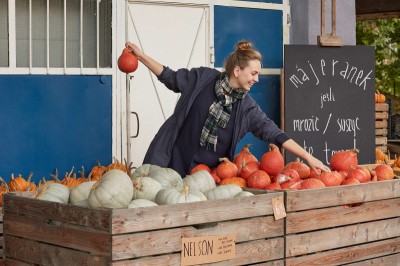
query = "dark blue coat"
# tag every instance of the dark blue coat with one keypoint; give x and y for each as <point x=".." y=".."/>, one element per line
<point x="249" y="117"/>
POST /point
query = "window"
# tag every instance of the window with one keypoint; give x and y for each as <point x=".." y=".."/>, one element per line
<point x="57" y="33"/>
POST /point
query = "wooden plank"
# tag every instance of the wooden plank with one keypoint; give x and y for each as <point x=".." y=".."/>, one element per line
<point x="271" y="263"/>
<point x="382" y="148"/>
<point x="160" y="217"/>
<point x="380" y="140"/>
<point x="44" y="254"/>
<point x="304" y="221"/>
<point x="91" y="217"/>
<point x="386" y="260"/>
<point x="381" y="115"/>
<point x="376" y="6"/>
<point x="381" y="132"/>
<point x="12" y="262"/>
<point x="381" y="107"/>
<point x="58" y="233"/>
<point x="246" y="253"/>
<point x="300" y="244"/>
<point x="341" y="195"/>
<point x="170" y="240"/>
<point x="348" y="254"/>
<point x="381" y="124"/>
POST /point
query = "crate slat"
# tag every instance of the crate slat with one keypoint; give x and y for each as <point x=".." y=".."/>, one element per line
<point x="381" y="140"/>
<point x="381" y="132"/>
<point x="381" y="115"/>
<point x="334" y="196"/>
<point x="381" y="124"/>
<point x="382" y="107"/>
<point x="246" y="253"/>
<point x="309" y="220"/>
<point x="338" y="237"/>
<point x="44" y="254"/>
<point x="169" y="241"/>
<point x="160" y="217"/>
<point x="57" y="233"/>
<point x="385" y="260"/>
<point x="348" y="254"/>
<point x="95" y="218"/>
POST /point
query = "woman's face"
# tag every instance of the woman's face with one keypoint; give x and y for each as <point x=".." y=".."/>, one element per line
<point x="247" y="76"/>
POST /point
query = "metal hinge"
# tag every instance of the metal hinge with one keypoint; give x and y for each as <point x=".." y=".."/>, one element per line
<point x="212" y="55"/>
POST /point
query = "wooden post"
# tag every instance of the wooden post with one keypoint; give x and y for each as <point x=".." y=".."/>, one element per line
<point x="329" y="39"/>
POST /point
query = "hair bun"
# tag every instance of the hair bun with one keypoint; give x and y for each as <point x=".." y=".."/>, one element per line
<point x="244" y="45"/>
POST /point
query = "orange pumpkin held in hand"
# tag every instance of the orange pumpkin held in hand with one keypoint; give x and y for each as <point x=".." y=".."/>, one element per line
<point x="127" y="61"/>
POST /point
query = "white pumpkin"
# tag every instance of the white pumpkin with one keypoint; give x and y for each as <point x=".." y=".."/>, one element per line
<point x="167" y="177"/>
<point x="223" y="192"/>
<point x="55" y="192"/>
<point x="145" y="188"/>
<point x="244" y="194"/>
<point x="81" y="193"/>
<point x="169" y="196"/>
<point x="200" y="180"/>
<point x="139" y="203"/>
<point x="144" y="170"/>
<point x="113" y="190"/>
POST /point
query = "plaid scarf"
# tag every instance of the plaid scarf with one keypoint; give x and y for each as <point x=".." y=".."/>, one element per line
<point x="219" y="112"/>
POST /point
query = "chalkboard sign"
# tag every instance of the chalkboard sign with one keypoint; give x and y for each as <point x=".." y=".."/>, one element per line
<point x="329" y="100"/>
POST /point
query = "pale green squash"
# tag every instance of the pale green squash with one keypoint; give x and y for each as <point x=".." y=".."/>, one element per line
<point x="200" y="180"/>
<point x="169" y="196"/>
<point x="223" y="192"/>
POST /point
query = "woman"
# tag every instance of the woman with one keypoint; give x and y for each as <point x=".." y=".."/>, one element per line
<point x="213" y="113"/>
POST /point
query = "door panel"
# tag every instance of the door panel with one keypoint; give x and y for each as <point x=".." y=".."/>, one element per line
<point x="175" y="35"/>
<point x="265" y="31"/>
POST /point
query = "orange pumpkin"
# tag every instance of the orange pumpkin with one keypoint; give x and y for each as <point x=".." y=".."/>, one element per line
<point x="19" y="183"/>
<point x="127" y="61"/>
<point x="226" y="169"/>
<point x="379" y="97"/>
<point x="200" y="167"/>
<point x="116" y="165"/>
<point x="97" y="172"/>
<point x="241" y="182"/>
<point x="3" y="190"/>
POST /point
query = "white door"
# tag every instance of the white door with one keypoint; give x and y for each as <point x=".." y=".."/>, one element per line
<point x="178" y="36"/>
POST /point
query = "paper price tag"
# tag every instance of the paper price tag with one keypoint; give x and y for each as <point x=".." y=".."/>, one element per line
<point x="278" y="207"/>
<point x="206" y="249"/>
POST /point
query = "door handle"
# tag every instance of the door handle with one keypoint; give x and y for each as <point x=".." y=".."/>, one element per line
<point x="137" y="122"/>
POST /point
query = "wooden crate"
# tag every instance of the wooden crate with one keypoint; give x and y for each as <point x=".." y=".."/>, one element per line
<point x="323" y="228"/>
<point x="381" y="125"/>
<point x="42" y="232"/>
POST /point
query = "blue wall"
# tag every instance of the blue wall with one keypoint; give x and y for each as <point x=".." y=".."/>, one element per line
<point x="50" y="122"/>
<point x="264" y="29"/>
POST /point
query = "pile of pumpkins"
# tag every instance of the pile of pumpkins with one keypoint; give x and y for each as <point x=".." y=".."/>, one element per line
<point x="271" y="173"/>
<point x="118" y="186"/>
<point x="115" y="186"/>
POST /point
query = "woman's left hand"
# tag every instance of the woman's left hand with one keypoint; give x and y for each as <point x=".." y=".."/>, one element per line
<point x="317" y="165"/>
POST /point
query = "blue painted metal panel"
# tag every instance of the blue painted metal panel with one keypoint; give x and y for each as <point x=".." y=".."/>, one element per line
<point x="53" y="122"/>
<point x="262" y="27"/>
<point x="267" y="94"/>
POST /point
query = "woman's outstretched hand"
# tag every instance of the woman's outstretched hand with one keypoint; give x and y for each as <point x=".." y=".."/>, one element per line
<point x="317" y="165"/>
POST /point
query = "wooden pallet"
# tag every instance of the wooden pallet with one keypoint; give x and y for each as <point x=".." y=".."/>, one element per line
<point x="323" y="228"/>
<point x="381" y="125"/>
<point x="42" y="232"/>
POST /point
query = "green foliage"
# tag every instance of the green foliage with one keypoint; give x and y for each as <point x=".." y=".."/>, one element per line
<point x="384" y="34"/>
